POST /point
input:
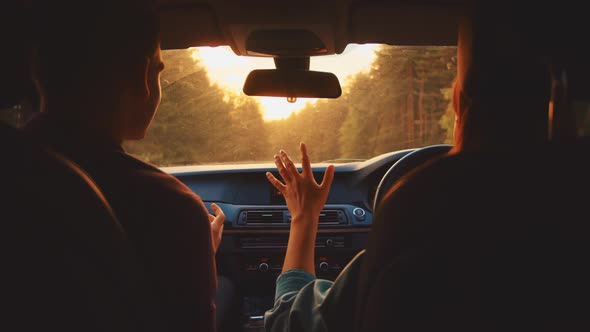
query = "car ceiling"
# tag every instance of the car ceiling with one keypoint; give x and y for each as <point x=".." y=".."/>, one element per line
<point x="187" y="23"/>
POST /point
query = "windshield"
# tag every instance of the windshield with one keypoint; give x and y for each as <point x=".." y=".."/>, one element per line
<point x="393" y="98"/>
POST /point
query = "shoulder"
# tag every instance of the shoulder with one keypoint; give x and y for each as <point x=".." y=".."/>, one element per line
<point x="151" y="177"/>
<point x="139" y="190"/>
<point x="152" y="201"/>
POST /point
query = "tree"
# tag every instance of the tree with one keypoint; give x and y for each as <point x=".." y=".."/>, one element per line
<point x="197" y="122"/>
<point x="317" y="124"/>
<point x="249" y="139"/>
<point x="401" y="102"/>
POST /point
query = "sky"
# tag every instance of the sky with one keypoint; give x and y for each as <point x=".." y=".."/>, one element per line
<point x="229" y="71"/>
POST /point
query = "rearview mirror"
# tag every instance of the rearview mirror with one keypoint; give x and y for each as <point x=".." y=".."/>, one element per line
<point x="292" y="84"/>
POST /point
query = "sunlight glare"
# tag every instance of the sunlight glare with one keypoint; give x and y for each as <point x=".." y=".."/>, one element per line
<point x="229" y="71"/>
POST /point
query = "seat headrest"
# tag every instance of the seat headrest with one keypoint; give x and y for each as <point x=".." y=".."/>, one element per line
<point x="500" y="54"/>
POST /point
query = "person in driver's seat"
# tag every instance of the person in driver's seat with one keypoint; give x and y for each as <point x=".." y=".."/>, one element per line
<point x="305" y="303"/>
<point x="97" y="69"/>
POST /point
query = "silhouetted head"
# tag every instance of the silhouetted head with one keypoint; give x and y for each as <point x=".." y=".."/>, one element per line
<point x="502" y="91"/>
<point x="97" y="64"/>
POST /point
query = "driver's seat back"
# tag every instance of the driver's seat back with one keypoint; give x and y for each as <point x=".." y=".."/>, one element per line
<point x="494" y="240"/>
<point x="482" y="242"/>
<point x="66" y="263"/>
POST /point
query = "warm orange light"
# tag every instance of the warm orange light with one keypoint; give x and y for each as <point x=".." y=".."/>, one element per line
<point x="229" y="71"/>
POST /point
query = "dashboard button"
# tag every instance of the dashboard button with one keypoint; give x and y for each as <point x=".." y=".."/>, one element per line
<point x="263" y="267"/>
<point x="359" y="214"/>
<point x="329" y="242"/>
<point x="324" y="266"/>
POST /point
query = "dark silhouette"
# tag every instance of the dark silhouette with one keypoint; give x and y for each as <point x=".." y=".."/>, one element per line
<point x="97" y="68"/>
<point x="490" y="237"/>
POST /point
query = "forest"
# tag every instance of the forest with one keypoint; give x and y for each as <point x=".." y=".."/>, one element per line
<point x="403" y="101"/>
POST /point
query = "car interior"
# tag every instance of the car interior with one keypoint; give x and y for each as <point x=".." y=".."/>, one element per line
<point x="501" y="236"/>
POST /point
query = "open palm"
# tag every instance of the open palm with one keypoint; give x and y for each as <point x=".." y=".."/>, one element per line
<point x="305" y="198"/>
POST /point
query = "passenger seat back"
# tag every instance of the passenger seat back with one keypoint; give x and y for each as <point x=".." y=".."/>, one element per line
<point x="66" y="262"/>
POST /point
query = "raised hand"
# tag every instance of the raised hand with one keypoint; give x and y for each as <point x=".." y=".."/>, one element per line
<point x="304" y="196"/>
<point x="305" y="200"/>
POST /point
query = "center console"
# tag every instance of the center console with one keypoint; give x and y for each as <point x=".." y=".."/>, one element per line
<point x="253" y="250"/>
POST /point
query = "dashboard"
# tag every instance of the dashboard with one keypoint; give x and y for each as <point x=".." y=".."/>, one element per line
<point x="256" y="229"/>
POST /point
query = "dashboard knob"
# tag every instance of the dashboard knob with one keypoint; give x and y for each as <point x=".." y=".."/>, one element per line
<point x="329" y="242"/>
<point x="359" y="214"/>
<point x="263" y="267"/>
<point x="324" y="266"/>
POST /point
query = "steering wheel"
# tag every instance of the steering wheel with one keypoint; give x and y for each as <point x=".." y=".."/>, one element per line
<point x="406" y="164"/>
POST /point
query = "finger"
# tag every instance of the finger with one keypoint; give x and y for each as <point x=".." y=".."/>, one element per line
<point x="217" y="223"/>
<point x="282" y="170"/>
<point x="216" y="209"/>
<point x="211" y="217"/>
<point x="305" y="163"/>
<point x="288" y="163"/>
<point x="219" y="211"/>
<point x="328" y="177"/>
<point x="219" y="217"/>
<point x="275" y="182"/>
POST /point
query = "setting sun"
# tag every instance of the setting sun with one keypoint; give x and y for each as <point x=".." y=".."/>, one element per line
<point x="229" y="71"/>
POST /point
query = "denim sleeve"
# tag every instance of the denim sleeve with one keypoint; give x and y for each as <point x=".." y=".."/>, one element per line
<point x="301" y="300"/>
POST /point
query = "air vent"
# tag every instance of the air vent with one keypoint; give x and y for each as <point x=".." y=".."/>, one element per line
<point x="283" y="217"/>
<point x="328" y="217"/>
<point x="331" y="217"/>
<point x="261" y="217"/>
